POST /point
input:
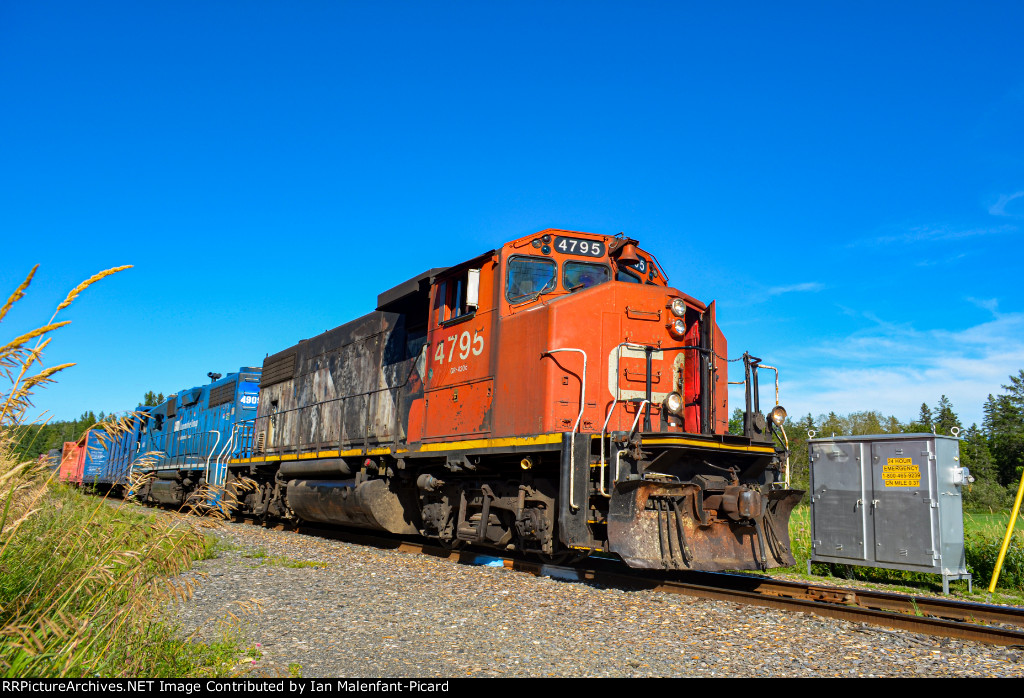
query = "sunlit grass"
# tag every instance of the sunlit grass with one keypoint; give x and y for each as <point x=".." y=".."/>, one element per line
<point x="983" y="535"/>
<point x="83" y="584"/>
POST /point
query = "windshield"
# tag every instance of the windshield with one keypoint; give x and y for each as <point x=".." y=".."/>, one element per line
<point x="529" y="276"/>
<point x="579" y="275"/>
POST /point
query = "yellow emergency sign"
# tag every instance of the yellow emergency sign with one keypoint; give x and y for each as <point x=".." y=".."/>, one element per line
<point x="901" y="472"/>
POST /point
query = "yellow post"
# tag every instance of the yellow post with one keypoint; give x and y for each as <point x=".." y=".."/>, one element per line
<point x="1009" y="533"/>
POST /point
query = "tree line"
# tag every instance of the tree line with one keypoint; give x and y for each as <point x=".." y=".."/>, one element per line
<point x="994" y="451"/>
<point x="33" y="440"/>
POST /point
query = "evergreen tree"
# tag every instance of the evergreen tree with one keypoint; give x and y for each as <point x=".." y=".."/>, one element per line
<point x="924" y="422"/>
<point x="832" y="425"/>
<point x="985" y="492"/>
<point x="945" y="417"/>
<point x="1004" y="423"/>
<point x="151" y="399"/>
<point x="926" y="416"/>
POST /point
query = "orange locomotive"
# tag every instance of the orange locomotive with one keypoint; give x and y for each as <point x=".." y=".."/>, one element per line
<point x="554" y="396"/>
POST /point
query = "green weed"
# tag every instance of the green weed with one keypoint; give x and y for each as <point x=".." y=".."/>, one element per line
<point x="281" y="560"/>
<point x="83" y="584"/>
<point x="983" y="535"/>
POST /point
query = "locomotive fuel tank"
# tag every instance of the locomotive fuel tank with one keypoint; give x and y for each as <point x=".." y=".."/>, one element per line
<point x="367" y="504"/>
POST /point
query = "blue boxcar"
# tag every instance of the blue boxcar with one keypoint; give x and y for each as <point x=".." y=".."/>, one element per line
<point x="96" y="443"/>
<point x="124" y="448"/>
<point x="197" y="429"/>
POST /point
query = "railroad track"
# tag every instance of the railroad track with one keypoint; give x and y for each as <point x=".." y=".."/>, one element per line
<point x="997" y="625"/>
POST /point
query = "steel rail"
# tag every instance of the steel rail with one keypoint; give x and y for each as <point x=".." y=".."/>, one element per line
<point x="988" y="623"/>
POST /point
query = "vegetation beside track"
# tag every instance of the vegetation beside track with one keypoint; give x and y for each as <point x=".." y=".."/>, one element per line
<point x="983" y="534"/>
<point x="84" y="586"/>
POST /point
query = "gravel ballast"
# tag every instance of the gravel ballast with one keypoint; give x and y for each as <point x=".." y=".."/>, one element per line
<point x="323" y="608"/>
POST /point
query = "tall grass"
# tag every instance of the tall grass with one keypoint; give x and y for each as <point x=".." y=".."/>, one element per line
<point x="82" y="583"/>
<point x="982" y="538"/>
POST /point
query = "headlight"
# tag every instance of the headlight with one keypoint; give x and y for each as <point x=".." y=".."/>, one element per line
<point x="677" y="328"/>
<point x="674" y="403"/>
<point x="778" y="415"/>
<point x="678" y="307"/>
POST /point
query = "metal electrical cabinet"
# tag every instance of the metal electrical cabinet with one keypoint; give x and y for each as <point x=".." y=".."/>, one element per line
<point x="891" y="500"/>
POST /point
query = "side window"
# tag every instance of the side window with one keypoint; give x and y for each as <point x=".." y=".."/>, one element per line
<point x="626" y="276"/>
<point x="529" y="276"/>
<point x="456" y="300"/>
<point x="457" y="296"/>
<point x="578" y="275"/>
<point x="441" y="303"/>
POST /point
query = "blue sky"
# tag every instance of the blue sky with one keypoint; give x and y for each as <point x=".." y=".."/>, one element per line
<point x="846" y="179"/>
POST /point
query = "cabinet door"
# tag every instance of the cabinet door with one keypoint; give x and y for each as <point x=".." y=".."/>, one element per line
<point x="902" y="511"/>
<point x="837" y="490"/>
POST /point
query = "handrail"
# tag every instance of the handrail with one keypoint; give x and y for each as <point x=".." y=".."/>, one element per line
<point x="206" y="470"/>
<point x="618" y="358"/>
<point x="189" y="447"/>
<point x="248" y="450"/>
<point x="618" y="454"/>
<point x="227" y="448"/>
<point x="572" y="438"/>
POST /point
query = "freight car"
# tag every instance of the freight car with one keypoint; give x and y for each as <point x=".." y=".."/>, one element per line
<point x="67" y="470"/>
<point x="82" y="461"/>
<point x="554" y="396"/>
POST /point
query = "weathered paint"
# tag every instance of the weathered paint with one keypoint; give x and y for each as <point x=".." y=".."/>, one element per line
<point x="656" y="526"/>
<point x="349" y="386"/>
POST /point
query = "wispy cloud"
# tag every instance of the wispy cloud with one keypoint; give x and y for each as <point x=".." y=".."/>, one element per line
<point x="894" y="367"/>
<point x="795" y="288"/>
<point x="933" y="234"/>
<point x="989" y="304"/>
<point x="944" y="260"/>
<point x="999" y="207"/>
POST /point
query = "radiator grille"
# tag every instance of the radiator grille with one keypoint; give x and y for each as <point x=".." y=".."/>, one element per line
<point x="221" y="394"/>
<point x="278" y="370"/>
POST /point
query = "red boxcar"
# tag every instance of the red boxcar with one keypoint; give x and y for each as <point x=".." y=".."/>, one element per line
<point x="71" y="462"/>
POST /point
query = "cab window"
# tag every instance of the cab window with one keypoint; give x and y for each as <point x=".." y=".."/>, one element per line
<point x="457" y="297"/>
<point x="450" y="301"/>
<point x="529" y="276"/>
<point x="580" y="275"/>
<point x="623" y="275"/>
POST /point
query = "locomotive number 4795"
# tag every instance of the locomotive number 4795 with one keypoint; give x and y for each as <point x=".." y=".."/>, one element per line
<point x="465" y="344"/>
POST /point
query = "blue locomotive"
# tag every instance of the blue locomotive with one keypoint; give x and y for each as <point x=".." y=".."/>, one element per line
<point x="185" y="441"/>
